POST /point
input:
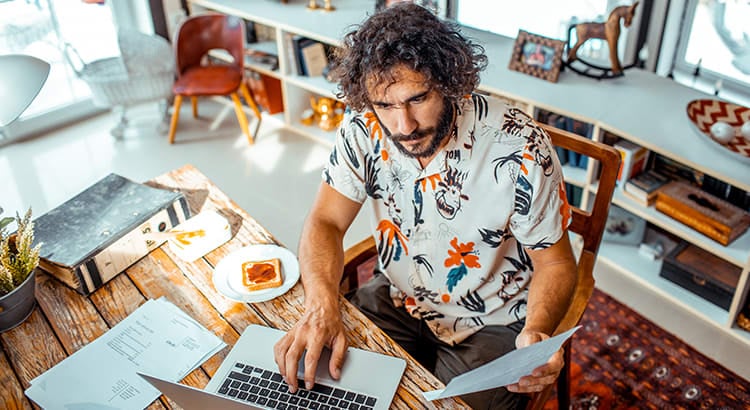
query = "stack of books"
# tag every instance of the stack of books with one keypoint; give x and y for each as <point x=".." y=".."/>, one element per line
<point x="644" y="186"/>
<point x="634" y="158"/>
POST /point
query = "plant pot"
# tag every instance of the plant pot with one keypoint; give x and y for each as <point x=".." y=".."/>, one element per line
<point x="17" y="305"/>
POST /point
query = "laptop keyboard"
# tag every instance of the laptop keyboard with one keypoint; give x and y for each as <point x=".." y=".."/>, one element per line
<point x="267" y="388"/>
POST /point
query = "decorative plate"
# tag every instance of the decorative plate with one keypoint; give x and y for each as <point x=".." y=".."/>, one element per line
<point x="228" y="272"/>
<point x="704" y="113"/>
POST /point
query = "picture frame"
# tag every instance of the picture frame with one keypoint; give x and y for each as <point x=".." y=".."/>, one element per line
<point x="537" y="55"/>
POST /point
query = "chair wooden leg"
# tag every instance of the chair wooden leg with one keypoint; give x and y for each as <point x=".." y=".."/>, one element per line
<point x="194" y="103"/>
<point x="563" y="381"/>
<point x="175" y="117"/>
<point x="241" y="117"/>
<point x="251" y="102"/>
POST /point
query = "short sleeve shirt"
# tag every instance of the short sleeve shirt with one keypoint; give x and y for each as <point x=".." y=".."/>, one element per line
<point x="451" y="237"/>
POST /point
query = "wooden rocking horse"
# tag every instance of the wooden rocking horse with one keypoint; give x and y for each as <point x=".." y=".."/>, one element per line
<point x="609" y="31"/>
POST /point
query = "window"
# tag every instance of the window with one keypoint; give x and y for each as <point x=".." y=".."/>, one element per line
<point x="712" y="51"/>
<point x="42" y="29"/>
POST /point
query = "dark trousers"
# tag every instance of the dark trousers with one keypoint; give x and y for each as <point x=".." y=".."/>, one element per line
<point x="444" y="360"/>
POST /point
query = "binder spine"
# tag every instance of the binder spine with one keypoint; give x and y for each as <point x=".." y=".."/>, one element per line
<point x="130" y="248"/>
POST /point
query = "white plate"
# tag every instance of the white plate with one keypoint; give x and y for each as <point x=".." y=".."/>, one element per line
<point x="228" y="272"/>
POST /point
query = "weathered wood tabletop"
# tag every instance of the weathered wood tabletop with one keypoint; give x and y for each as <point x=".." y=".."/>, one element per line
<point x="65" y="321"/>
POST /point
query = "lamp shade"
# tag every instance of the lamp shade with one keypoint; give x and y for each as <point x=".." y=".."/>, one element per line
<point x="21" y="78"/>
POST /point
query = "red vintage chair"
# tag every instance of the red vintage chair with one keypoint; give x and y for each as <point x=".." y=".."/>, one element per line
<point x="589" y="225"/>
<point x="199" y="76"/>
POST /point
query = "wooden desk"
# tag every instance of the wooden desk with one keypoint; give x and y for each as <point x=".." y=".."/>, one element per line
<point x="64" y="321"/>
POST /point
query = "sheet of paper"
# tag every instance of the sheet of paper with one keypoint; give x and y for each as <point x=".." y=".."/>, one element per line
<point x="199" y="235"/>
<point x="504" y="370"/>
<point x="158" y="338"/>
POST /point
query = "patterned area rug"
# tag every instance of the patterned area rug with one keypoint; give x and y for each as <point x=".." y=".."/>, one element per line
<point x="623" y="361"/>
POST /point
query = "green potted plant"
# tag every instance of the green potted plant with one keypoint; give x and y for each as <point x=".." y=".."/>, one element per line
<point x="18" y="262"/>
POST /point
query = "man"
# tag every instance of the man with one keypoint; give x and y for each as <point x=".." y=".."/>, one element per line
<point x="468" y="202"/>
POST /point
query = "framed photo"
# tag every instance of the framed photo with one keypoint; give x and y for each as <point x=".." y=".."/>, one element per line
<point x="537" y="55"/>
<point x="437" y="7"/>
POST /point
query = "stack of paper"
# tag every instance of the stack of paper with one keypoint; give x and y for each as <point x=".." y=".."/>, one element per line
<point x="158" y="338"/>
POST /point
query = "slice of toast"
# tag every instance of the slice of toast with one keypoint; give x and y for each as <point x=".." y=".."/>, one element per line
<point x="265" y="274"/>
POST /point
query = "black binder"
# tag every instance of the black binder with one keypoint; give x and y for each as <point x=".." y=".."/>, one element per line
<point x="103" y="230"/>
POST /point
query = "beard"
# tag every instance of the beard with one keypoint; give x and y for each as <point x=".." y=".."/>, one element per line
<point x="439" y="134"/>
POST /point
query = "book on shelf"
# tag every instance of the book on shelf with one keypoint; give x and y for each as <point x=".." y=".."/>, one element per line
<point x="634" y="158"/>
<point x="310" y="55"/>
<point x="624" y="227"/>
<point x="262" y="54"/>
<point x="291" y="54"/>
<point x="250" y="34"/>
<point x="314" y="59"/>
<point x="567" y="157"/>
<point x="574" y="194"/>
<point x="724" y="190"/>
<point x="676" y="171"/>
<point x="644" y="186"/>
<point x="103" y="230"/>
<point x="583" y="129"/>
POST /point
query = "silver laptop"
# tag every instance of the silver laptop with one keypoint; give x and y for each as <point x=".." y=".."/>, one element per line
<point x="248" y="378"/>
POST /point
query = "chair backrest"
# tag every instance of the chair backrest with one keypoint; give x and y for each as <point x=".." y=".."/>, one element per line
<point x="199" y="34"/>
<point x="588" y="224"/>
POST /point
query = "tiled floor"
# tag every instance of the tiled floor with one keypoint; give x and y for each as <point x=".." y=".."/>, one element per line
<point x="273" y="180"/>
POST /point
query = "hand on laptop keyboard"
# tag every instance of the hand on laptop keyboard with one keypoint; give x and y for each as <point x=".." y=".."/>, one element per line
<point x="267" y="388"/>
<point x="319" y="327"/>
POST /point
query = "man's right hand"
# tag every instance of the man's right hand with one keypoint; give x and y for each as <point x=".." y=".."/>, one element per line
<point x="320" y="326"/>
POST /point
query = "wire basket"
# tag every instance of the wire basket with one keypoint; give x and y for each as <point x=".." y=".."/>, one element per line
<point x="143" y="72"/>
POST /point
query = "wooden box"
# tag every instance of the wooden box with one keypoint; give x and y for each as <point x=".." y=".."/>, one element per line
<point x="709" y="215"/>
<point x="702" y="273"/>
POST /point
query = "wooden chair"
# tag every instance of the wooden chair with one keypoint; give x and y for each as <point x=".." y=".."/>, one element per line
<point x="197" y="76"/>
<point x="589" y="225"/>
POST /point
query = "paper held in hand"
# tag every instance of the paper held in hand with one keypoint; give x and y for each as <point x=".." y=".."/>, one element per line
<point x="503" y="371"/>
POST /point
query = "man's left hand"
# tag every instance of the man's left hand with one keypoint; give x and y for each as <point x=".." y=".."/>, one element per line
<point x="543" y="375"/>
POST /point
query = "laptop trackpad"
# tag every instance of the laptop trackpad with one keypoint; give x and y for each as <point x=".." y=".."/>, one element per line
<point x="360" y="369"/>
<point x="321" y="372"/>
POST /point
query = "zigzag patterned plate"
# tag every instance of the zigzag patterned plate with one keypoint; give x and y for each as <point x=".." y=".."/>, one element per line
<point x="704" y="113"/>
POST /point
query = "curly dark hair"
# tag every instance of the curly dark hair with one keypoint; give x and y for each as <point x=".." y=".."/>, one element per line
<point x="410" y="35"/>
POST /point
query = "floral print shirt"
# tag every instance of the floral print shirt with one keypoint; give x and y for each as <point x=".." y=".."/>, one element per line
<point x="451" y="237"/>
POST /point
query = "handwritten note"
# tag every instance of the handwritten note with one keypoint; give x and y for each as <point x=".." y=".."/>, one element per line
<point x="158" y="338"/>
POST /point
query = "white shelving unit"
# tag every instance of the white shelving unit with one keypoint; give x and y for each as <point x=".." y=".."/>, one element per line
<point x="287" y="21"/>
<point x="640" y="106"/>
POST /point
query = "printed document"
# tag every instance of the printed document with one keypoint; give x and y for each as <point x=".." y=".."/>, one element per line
<point x="504" y="370"/>
<point x="157" y="338"/>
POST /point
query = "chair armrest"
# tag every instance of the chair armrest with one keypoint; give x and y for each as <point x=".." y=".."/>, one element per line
<point x="354" y="256"/>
